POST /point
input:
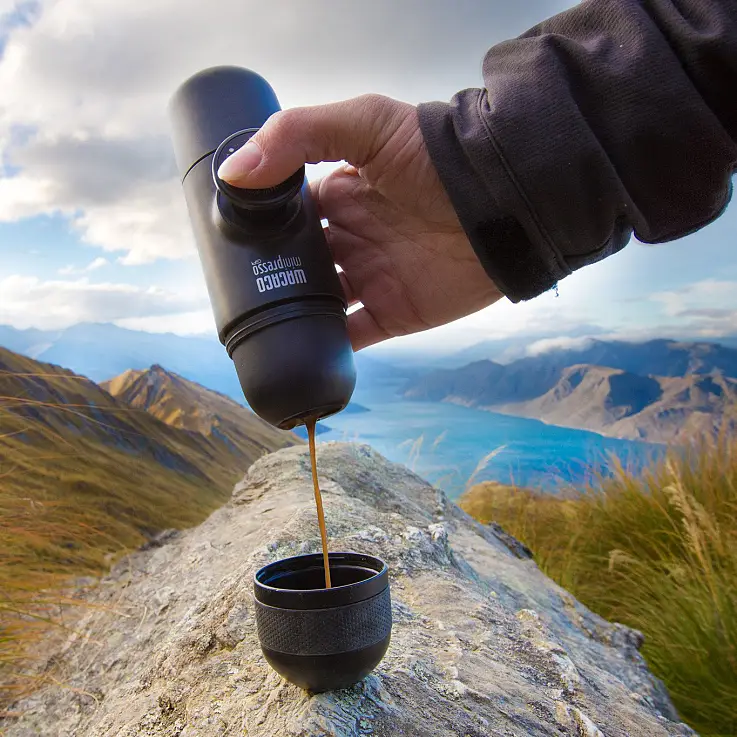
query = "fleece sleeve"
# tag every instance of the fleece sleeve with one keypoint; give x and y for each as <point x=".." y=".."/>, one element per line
<point x="612" y="118"/>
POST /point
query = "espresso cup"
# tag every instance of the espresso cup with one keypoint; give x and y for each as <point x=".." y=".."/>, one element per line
<point x="324" y="639"/>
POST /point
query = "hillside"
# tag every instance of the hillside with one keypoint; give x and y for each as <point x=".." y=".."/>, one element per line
<point x="655" y="391"/>
<point x="101" y="351"/>
<point x="625" y="405"/>
<point x="188" y="406"/>
<point x="484" y="383"/>
<point x="46" y="405"/>
<point x="64" y="440"/>
<point x="84" y="476"/>
<point x="655" y="551"/>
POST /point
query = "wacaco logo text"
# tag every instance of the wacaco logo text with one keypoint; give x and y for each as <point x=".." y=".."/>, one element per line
<point x="280" y="272"/>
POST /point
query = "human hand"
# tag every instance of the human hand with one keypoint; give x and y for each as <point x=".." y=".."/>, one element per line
<point x="392" y="228"/>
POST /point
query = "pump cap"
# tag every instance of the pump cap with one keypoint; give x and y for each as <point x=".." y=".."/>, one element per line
<point x="242" y="99"/>
<point x="253" y="199"/>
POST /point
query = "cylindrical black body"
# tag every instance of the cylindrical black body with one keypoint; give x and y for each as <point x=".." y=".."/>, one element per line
<point x="278" y="304"/>
<point x="324" y="639"/>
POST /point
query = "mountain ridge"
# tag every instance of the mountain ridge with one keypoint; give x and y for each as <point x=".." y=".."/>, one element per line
<point x="626" y="405"/>
<point x="540" y="388"/>
<point x="184" y="404"/>
<point x="482" y="642"/>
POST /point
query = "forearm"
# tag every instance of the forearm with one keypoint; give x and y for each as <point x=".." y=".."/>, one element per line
<point x="615" y="117"/>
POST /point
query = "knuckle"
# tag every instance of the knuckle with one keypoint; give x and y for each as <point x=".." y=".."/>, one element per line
<point x="374" y="104"/>
<point x="286" y="123"/>
<point x="386" y="114"/>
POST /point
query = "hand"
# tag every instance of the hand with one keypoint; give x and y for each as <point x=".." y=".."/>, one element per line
<point x="392" y="228"/>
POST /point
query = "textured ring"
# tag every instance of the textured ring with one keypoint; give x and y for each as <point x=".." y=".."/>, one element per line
<point x="325" y="631"/>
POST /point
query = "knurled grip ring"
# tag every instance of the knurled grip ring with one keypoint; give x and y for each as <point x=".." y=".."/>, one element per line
<point x="325" y="631"/>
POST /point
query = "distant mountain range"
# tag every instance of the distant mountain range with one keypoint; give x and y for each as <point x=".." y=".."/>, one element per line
<point x="537" y="386"/>
<point x="101" y="351"/>
<point x="508" y="349"/>
<point x="661" y="391"/>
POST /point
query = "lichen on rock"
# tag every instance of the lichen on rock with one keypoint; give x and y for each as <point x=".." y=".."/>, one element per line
<point x="482" y="642"/>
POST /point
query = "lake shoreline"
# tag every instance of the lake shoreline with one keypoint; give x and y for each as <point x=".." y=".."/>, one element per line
<point x="444" y="442"/>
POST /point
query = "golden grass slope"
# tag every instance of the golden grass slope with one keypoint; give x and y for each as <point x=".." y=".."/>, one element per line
<point x="85" y="476"/>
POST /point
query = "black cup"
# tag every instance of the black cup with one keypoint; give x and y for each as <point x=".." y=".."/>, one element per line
<point x="324" y="639"/>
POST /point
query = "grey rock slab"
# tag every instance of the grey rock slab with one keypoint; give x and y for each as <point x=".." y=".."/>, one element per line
<point x="482" y="643"/>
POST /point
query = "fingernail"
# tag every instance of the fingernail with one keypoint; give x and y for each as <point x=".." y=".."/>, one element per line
<point x="240" y="164"/>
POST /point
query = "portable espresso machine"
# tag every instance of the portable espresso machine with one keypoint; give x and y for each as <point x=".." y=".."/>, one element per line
<point x="281" y="315"/>
<point x="279" y="307"/>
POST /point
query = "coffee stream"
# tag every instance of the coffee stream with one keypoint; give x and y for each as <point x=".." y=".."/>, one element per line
<point x="318" y="501"/>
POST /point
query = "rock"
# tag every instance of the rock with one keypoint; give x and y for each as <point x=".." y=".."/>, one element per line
<point x="483" y="643"/>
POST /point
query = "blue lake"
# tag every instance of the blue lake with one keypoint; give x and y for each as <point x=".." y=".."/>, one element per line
<point x="445" y="444"/>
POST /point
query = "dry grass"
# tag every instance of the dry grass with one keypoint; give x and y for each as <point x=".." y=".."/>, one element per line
<point x="657" y="552"/>
<point x="82" y="480"/>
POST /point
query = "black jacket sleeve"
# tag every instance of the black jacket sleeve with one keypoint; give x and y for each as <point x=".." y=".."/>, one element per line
<point x="614" y="117"/>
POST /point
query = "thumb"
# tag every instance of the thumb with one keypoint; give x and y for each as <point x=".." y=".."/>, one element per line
<point x="353" y="130"/>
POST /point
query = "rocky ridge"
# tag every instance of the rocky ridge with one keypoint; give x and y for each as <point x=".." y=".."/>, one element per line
<point x="482" y="644"/>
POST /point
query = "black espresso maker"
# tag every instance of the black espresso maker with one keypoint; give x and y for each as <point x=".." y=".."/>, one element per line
<point x="281" y="315"/>
<point x="279" y="307"/>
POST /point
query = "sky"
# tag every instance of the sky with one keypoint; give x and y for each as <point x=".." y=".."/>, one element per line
<point x="93" y="225"/>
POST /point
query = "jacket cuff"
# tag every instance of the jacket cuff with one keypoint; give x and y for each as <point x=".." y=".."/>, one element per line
<point x="488" y="202"/>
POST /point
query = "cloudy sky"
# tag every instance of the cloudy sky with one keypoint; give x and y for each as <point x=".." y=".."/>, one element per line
<point x="92" y="220"/>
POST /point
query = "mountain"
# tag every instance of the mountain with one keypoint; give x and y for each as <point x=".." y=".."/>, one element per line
<point x="661" y="357"/>
<point x="485" y="383"/>
<point x="320" y="429"/>
<point x="188" y="406"/>
<point x="656" y="357"/>
<point x="30" y="342"/>
<point x="505" y="350"/>
<point x="84" y="472"/>
<point x="54" y="404"/>
<point x="626" y="405"/>
<point x="354" y="408"/>
<point x="729" y="341"/>
<point x="100" y="351"/>
<point x="611" y="376"/>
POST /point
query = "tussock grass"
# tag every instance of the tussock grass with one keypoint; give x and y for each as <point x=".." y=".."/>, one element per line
<point x="657" y="552"/>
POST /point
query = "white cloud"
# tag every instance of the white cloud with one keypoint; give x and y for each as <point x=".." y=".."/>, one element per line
<point x="138" y="212"/>
<point x="12" y="12"/>
<point x="555" y="344"/>
<point x="586" y="308"/>
<point x="30" y="302"/>
<point x="199" y="322"/>
<point x="97" y="263"/>
<point x="85" y="90"/>
<point x="706" y="308"/>
<point x="705" y="294"/>
<point x="94" y="265"/>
